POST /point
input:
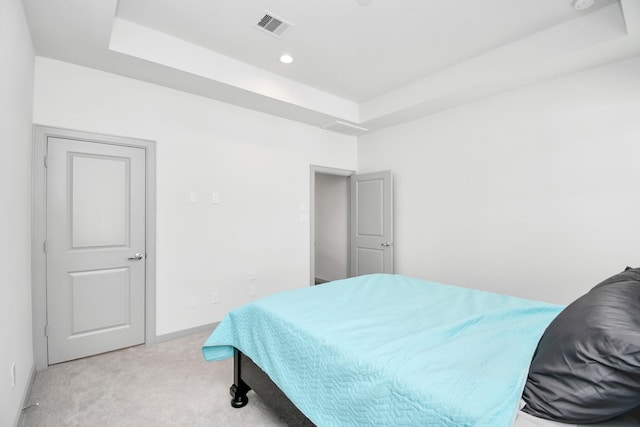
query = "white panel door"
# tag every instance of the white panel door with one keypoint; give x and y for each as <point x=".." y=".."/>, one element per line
<point x="371" y="223"/>
<point x="95" y="248"/>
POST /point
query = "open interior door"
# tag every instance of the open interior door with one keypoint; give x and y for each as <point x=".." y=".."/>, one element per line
<point x="371" y="223"/>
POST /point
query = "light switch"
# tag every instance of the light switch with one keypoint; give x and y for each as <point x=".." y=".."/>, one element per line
<point x="193" y="197"/>
<point x="215" y="198"/>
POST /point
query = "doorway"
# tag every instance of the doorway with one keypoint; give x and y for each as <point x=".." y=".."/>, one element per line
<point x="93" y="244"/>
<point x="351" y="218"/>
<point x="329" y="224"/>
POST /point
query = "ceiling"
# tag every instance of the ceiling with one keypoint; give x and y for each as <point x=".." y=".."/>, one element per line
<point x="369" y="65"/>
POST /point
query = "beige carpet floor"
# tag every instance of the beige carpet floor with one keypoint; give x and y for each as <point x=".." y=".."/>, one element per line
<point x="166" y="384"/>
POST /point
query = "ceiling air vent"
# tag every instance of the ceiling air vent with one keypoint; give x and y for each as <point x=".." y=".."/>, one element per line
<point x="344" y="127"/>
<point x="274" y="25"/>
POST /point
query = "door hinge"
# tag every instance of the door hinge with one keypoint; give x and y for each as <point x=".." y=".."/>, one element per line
<point x="46" y="163"/>
<point x="44" y="246"/>
<point x="46" y="330"/>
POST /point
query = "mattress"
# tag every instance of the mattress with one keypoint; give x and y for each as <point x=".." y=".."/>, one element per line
<point x="525" y="420"/>
<point x="391" y="350"/>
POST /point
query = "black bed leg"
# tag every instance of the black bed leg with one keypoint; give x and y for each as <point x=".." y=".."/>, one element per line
<point x="239" y="389"/>
<point x="239" y="396"/>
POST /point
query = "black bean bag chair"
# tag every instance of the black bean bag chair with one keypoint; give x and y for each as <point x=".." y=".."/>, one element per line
<point x="586" y="367"/>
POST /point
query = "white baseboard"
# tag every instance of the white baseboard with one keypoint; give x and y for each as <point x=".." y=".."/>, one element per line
<point x="186" y="332"/>
<point x="25" y="398"/>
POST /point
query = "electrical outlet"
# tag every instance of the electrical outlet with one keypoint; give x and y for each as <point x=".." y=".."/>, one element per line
<point x="193" y="301"/>
<point x="13" y="375"/>
<point x="252" y="290"/>
<point x="215" y="297"/>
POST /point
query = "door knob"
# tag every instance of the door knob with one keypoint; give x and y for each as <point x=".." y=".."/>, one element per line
<point x="136" y="257"/>
<point x="386" y="244"/>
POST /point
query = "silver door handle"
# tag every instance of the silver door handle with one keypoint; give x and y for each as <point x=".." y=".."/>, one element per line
<point x="136" y="257"/>
<point x="386" y="244"/>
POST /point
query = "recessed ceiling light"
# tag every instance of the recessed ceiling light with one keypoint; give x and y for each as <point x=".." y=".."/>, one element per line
<point x="583" y="4"/>
<point x="286" y="59"/>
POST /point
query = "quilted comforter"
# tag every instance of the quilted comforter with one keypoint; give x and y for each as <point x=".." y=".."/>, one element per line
<point x="389" y="350"/>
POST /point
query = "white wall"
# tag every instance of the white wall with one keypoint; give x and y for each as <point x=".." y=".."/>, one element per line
<point x="259" y="164"/>
<point x="332" y="226"/>
<point x="534" y="193"/>
<point x="16" y="101"/>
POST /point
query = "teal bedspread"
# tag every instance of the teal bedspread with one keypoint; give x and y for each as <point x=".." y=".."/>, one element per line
<point x="388" y="350"/>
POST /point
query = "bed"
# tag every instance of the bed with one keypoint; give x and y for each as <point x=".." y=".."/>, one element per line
<point x="386" y="350"/>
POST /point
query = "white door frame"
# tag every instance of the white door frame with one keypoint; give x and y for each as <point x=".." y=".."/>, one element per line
<point x="312" y="215"/>
<point x="38" y="233"/>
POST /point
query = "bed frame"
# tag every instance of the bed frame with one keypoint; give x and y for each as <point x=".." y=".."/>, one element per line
<point x="248" y="376"/>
